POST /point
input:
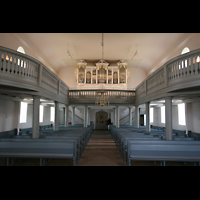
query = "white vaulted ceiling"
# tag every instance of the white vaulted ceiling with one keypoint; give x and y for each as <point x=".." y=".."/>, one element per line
<point x="153" y="49"/>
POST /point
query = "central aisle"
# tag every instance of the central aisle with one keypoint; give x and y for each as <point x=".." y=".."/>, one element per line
<point x="101" y="151"/>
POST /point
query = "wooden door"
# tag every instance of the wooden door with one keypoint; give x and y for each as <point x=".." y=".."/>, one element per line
<point x="101" y="120"/>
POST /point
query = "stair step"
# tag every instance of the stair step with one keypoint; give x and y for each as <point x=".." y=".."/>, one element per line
<point x="101" y="143"/>
<point x="100" y="147"/>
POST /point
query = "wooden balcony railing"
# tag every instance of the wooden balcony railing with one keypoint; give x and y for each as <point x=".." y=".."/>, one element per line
<point x="90" y="96"/>
<point x="178" y="73"/>
<point x="17" y="68"/>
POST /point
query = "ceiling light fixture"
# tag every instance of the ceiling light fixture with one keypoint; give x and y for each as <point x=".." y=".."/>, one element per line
<point x="102" y="100"/>
<point x="102" y="62"/>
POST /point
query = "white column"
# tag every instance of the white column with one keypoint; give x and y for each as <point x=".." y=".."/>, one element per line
<point x="148" y="117"/>
<point x="88" y="123"/>
<point x="114" y="116"/>
<point x="130" y="116"/>
<point x="117" y="116"/>
<point x="168" y="118"/>
<point x="137" y="115"/>
<point x="35" y="122"/>
<point x="17" y="115"/>
<point x="188" y="117"/>
<point x="66" y="115"/>
<point x="56" y="119"/>
<point x="85" y="116"/>
<point x="73" y="115"/>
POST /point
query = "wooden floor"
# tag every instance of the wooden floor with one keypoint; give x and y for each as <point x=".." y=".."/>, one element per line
<point x="101" y="151"/>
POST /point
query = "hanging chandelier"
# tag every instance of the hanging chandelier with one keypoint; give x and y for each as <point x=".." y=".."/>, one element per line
<point x="102" y="63"/>
<point x="102" y="100"/>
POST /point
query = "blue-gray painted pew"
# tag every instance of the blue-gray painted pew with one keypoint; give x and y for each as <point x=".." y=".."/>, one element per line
<point x="128" y="139"/>
<point x="183" y="151"/>
<point x="41" y="150"/>
<point x="81" y="145"/>
<point x="71" y="139"/>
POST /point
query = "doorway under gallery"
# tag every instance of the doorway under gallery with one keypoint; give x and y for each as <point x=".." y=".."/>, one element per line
<point x="101" y="120"/>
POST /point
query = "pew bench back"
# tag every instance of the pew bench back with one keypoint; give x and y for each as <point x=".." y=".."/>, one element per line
<point x="164" y="151"/>
<point x="42" y="150"/>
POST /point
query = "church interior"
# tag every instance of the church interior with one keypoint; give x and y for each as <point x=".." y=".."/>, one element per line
<point x="99" y="99"/>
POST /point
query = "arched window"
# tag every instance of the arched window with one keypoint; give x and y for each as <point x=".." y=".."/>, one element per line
<point x="185" y="50"/>
<point x="21" y="49"/>
<point x="21" y="62"/>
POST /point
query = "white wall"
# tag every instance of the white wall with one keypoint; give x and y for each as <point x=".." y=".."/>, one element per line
<point x="67" y="75"/>
<point x="196" y="117"/>
<point x="136" y="77"/>
<point x="46" y="117"/>
<point x="6" y="115"/>
<point x="193" y="117"/>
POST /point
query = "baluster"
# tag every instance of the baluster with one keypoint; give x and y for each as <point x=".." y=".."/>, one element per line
<point x="196" y="65"/>
<point x="1" y="61"/>
<point x="25" y="68"/>
<point x="172" y="72"/>
<point x="22" y="68"/>
<point x="4" y="62"/>
<point x="36" y="70"/>
<point x="175" y="70"/>
<point x="183" y="67"/>
<point x="180" y="68"/>
<point x="12" y="65"/>
<point x="193" y="67"/>
<point x="8" y="63"/>
<point x="33" y="72"/>
<point x="19" y="67"/>
<point x="188" y="64"/>
<point x="168" y="71"/>
<point x="198" y="62"/>
<point x="28" y="69"/>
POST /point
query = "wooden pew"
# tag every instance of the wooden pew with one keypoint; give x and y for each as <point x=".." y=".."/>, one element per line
<point x="71" y="139"/>
<point x="184" y="151"/>
<point x="80" y="146"/>
<point x="41" y="150"/>
<point x="130" y="139"/>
